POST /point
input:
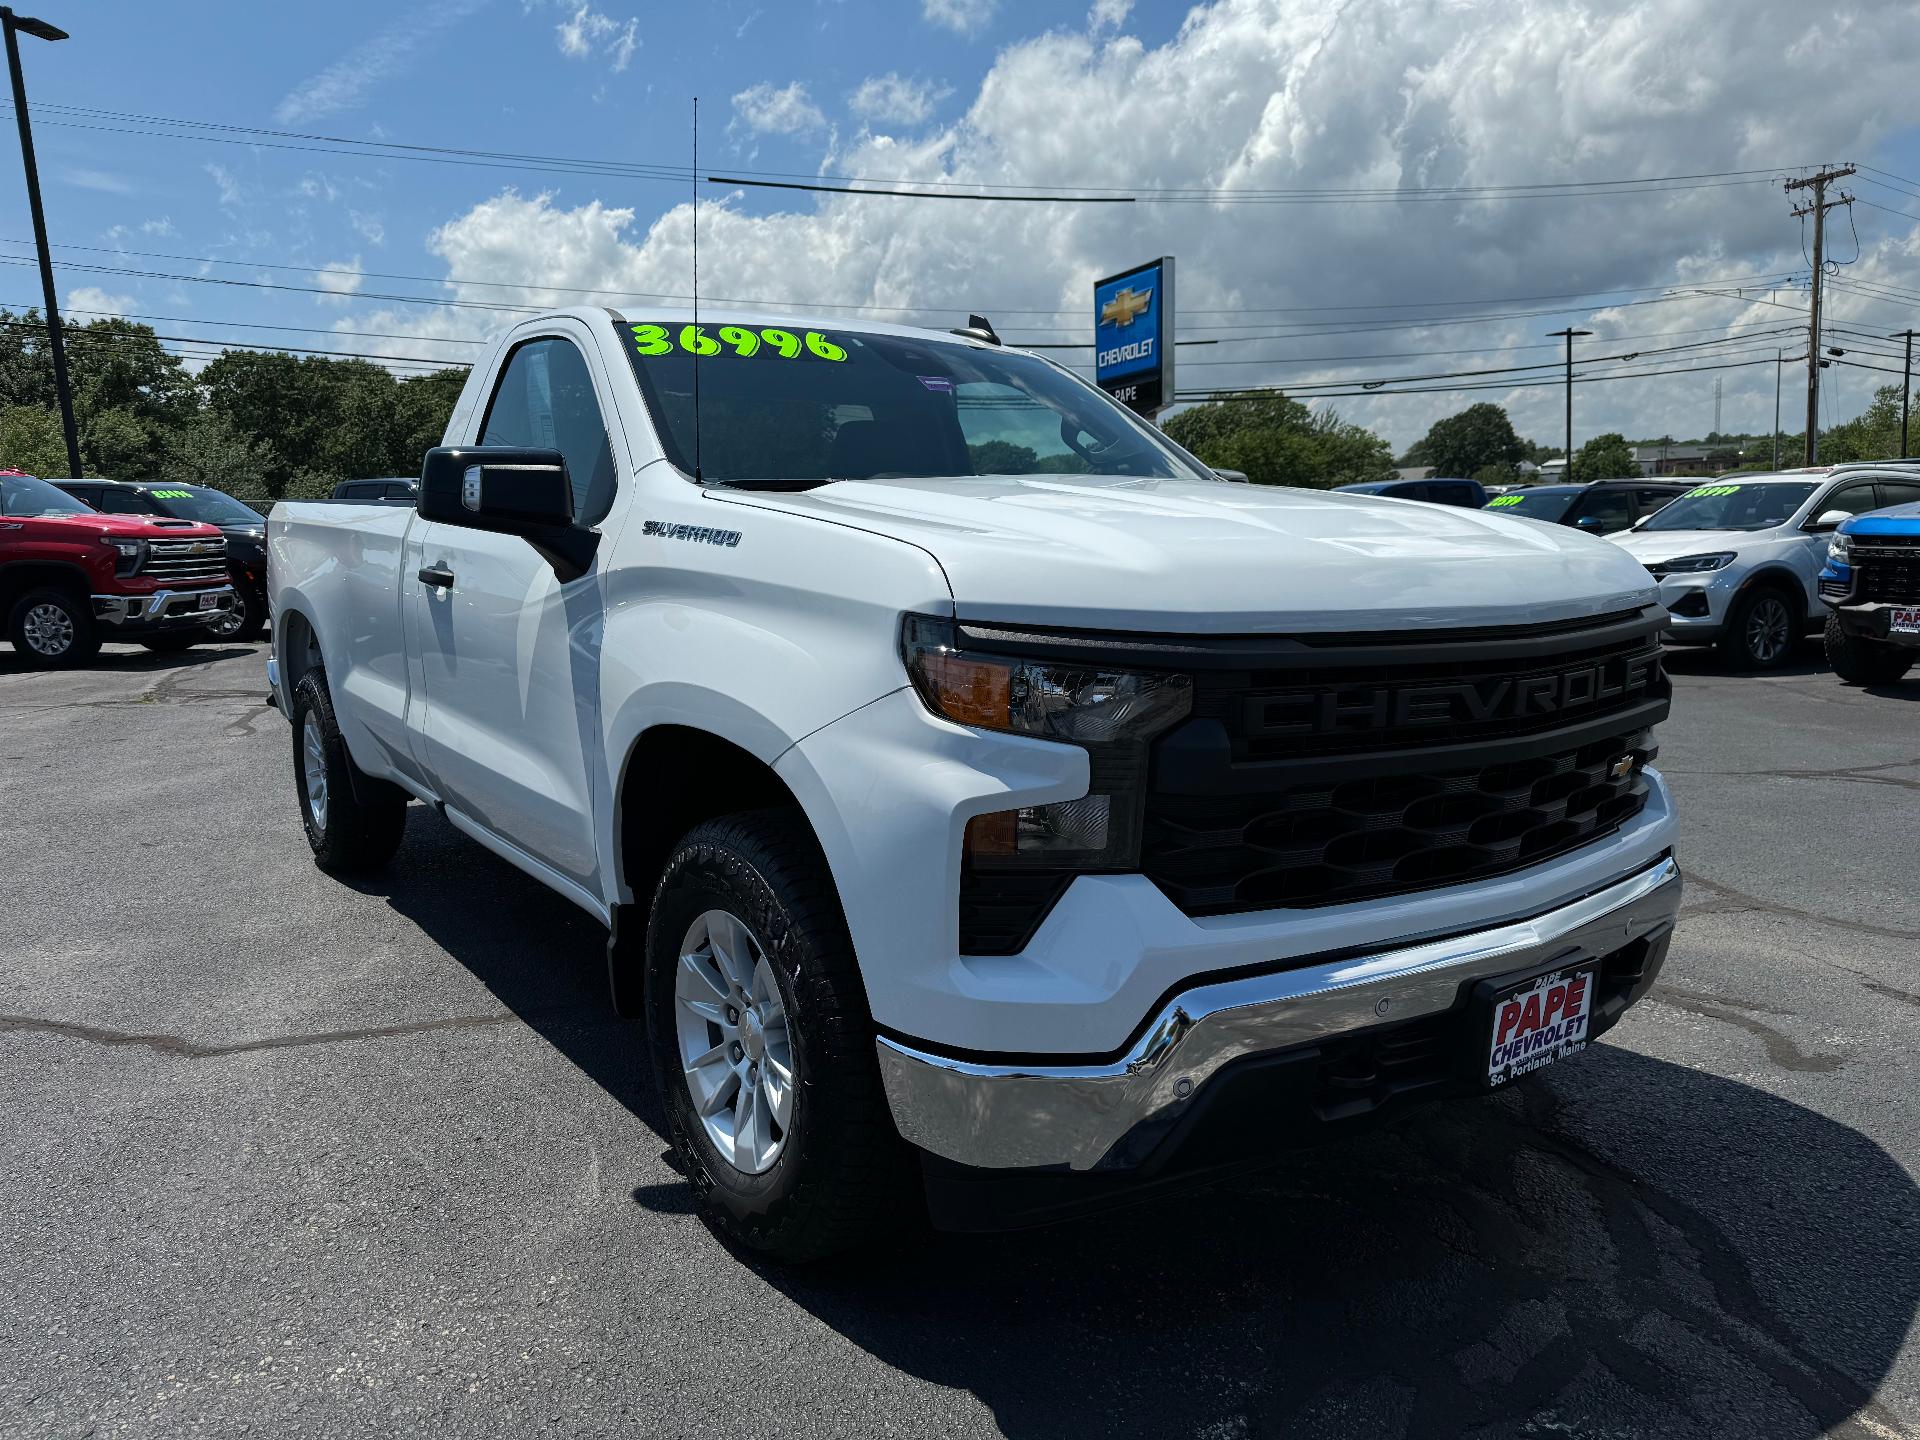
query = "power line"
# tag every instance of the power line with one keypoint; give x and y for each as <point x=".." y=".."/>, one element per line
<point x="1258" y="393"/>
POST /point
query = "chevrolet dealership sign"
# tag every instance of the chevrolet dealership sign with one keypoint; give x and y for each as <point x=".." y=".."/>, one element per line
<point x="1133" y="336"/>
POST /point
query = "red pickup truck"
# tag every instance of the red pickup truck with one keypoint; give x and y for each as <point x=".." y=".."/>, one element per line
<point x="71" y="577"/>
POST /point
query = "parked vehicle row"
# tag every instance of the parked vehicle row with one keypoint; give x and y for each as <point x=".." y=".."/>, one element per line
<point x="72" y="576"/>
<point x="1015" y="841"/>
<point x="245" y="530"/>
<point x="1871" y="587"/>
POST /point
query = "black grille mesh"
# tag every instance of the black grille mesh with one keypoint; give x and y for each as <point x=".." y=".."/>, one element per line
<point x="1892" y="576"/>
<point x="1323" y="844"/>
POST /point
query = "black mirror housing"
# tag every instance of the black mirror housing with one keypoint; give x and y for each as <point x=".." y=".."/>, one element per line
<point x="509" y="490"/>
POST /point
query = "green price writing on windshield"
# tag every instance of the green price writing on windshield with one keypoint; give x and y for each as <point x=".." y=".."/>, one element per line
<point x="171" y="494"/>
<point x="735" y="340"/>
<point x="1704" y="492"/>
<point x="1501" y="502"/>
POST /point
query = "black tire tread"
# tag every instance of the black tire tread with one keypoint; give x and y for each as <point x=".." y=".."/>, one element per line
<point x="366" y="818"/>
<point x="1732" y="643"/>
<point x="853" y="1171"/>
<point x="1858" y="660"/>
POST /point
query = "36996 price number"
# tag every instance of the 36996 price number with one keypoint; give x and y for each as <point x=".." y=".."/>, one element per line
<point x="735" y="340"/>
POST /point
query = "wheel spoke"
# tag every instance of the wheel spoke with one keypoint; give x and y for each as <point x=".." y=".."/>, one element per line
<point x="746" y="1126"/>
<point x="731" y="950"/>
<point x="699" y="970"/>
<point x="709" y="1057"/>
<point x="776" y="1089"/>
<point x="722" y="1094"/>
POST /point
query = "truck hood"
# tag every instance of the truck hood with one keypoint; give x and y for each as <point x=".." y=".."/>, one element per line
<point x="1110" y="552"/>
<point x="1650" y="546"/>
<point x="131" y="526"/>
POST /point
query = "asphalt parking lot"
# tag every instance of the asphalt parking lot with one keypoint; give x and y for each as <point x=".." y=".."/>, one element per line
<point x="283" y="1155"/>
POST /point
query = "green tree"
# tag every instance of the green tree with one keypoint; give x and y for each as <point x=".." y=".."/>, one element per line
<point x="116" y="443"/>
<point x="1479" y="436"/>
<point x="1277" y="441"/>
<point x="1502" y="473"/>
<point x="1605" y="457"/>
<point x="1874" y="434"/>
<point x="209" y="452"/>
<point x="30" y="440"/>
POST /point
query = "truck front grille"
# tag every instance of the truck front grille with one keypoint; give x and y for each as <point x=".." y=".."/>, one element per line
<point x="1325" y="843"/>
<point x="186" y="560"/>
<point x="1886" y="572"/>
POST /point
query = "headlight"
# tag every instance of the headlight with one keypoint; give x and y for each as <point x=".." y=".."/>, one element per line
<point x="1696" y="564"/>
<point x="1840" y="549"/>
<point x="128" y="551"/>
<point x="1112" y="714"/>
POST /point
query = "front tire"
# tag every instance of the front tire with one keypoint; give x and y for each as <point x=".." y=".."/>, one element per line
<point x="246" y="619"/>
<point x="354" y="823"/>
<point x="52" y="629"/>
<point x="1761" y="629"/>
<point x="1860" y="661"/>
<point x="763" y="1047"/>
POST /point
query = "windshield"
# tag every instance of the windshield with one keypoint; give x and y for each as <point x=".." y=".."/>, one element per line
<point x="197" y="502"/>
<point x="1534" y="504"/>
<point x="1732" y="507"/>
<point x="813" y="406"/>
<point x="26" y="498"/>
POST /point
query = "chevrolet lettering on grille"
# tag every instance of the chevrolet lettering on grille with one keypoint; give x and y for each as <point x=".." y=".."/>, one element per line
<point x="1361" y="708"/>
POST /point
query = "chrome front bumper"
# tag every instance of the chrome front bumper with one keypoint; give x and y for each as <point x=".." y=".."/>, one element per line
<point x="1111" y="1114"/>
<point x="162" y="607"/>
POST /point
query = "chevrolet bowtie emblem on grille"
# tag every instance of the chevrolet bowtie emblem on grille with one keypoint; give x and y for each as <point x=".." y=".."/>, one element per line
<point x="1126" y="306"/>
<point x="201" y="547"/>
<point x="1621" y="768"/>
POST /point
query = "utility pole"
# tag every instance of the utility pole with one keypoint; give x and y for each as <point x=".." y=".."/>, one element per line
<point x="1817" y="208"/>
<point x="1570" y="333"/>
<point x="1906" y="385"/>
<point x="1716" y="405"/>
<point x="56" y="341"/>
<point x="1779" y="364"/>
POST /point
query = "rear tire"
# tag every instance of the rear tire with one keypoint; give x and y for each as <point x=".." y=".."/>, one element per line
<point x="354" y="823"/>
<point x="52" y="629"/>
<point x="1761" y="629"/>
<point x="749" y="961"/>
<point x="1860" y="661"/>
<point x="171" y="642"/>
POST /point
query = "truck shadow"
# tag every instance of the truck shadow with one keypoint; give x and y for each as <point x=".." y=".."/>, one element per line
<point x="133" y="659"/>
<point x="1620" y="1247"/>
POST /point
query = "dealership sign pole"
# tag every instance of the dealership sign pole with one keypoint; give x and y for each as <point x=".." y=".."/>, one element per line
<point x="1133" y="336"/>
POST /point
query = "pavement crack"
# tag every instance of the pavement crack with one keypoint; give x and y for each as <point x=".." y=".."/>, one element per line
<point x="1781" y="1049"/>
<point x="181" y="1047"/>
<point x="1740" y="901"/>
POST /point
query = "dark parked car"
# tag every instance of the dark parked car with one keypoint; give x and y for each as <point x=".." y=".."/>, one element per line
<point x="1599" y="507"/>
<point x="393" y="488"/>
<point x="244" y="527"/>
<point x="1470" y="494"/>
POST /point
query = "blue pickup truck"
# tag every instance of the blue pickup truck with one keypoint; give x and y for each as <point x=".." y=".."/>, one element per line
<point x="1871" y="588"/>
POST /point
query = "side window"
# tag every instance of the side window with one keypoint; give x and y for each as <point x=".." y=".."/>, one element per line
<point x="399" y="492"/>
<point x="1604" y="512"/>
<point x="545" y="400"/>
<point x="1652" y="500"/>
<point x="124" y="502"/>
<point x="1899" y="492"/>
<point x="1854" y="499"/>
<point x="1007" y="432"/>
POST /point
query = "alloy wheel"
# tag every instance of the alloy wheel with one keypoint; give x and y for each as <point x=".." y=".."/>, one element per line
<point x="234" y="620"/>
<point x="1769" y="630"/>
<point x="48" y="630"/>
<point x="313" y="767"/>
<point x="734" y="1048"/>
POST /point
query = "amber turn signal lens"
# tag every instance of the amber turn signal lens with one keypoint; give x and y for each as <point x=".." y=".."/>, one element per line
<point x="992" y="835"/>
<point x="973" y="692"/>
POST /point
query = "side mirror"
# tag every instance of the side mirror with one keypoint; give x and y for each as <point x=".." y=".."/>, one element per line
<point x="1588" y="522"/>
<point x="1829" y="520"/>
<point x="510" y="491"/>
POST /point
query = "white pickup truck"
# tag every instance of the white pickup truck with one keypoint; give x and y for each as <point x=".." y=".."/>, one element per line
<point x="987" y="804"/>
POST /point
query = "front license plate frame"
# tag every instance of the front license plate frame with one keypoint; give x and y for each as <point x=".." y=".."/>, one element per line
<point x="1525" y="1024"/>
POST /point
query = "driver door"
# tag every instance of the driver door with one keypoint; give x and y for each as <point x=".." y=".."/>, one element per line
<point x="509" y="654"/>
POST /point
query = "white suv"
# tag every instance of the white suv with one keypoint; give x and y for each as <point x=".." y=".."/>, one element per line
<point x="1738" y="559"/>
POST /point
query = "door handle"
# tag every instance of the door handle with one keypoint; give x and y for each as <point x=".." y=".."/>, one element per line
<point x="436" y="575"/>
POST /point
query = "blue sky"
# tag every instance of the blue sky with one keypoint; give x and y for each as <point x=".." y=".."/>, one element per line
<point x="1235" y="95"/>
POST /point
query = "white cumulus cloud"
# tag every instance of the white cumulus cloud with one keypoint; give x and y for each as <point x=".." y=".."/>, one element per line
<point x="1265" y="99"/>
<point x="90" y="303"/>
<point x="892" y="97"/>
<point x="963" y="17"/>
<point x="1109" y="14"/>
<point x="763" y="110"/>
<point x="387" y="55"/>
<point x="339" y="278"/>
<point x="586" y="32"/>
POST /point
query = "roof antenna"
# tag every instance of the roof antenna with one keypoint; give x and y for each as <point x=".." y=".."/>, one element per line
<point x="698" y="478"/>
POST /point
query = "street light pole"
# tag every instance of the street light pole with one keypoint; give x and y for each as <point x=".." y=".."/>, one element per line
<point x="56" y="341"/>
<point x="1906" y="386"/>
<point x="1570" y="333"/>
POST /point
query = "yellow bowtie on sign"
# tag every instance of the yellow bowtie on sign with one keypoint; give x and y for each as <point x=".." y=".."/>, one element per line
<point x="1125" y="307"/>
